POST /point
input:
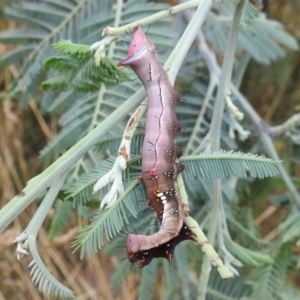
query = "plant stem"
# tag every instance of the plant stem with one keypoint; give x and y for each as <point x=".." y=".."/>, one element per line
<point x="268" y="144"/>
<point x="110" y="54"/>
<point x="187" y="38"/>
<point x="213" y="137"/>
<point x="36" y="222"/>
<point x="151" y="19"/>
<point x="201" y="238"/>
<point x="118" y="15"/>
<point x="212" y="230"/>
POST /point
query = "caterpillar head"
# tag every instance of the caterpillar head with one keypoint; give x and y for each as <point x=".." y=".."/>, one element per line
<point x="139" y="47"/>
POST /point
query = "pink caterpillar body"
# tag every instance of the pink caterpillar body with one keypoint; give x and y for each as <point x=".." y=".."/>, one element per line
<point x="159" y="169"/>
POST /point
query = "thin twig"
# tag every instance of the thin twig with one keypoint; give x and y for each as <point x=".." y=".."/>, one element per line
<point x="201" y="238"/>
<point x="213" y="136"/>
<point x="151" y="19"/>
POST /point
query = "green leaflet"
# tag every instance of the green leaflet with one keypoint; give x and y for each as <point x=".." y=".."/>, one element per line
<point x="227" y="163"/>
<point x="271" y="279"/>
<point x="237" y="289"/>
<point x="147" y="281"/>
<point x="75" y="50"/>
<point x="61" y="218"/>
<point x="42" y="277"/>
<point x="78" y="70"/>
<point x="290" y="227"/>
<point x="257" y="34"/>
<point x="108" y="222"/>
<point x="246" y="255"/>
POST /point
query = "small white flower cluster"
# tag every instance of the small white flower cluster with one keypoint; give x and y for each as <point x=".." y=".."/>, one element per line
<point x="233" y="109"/>
<point x="20" y="251"/>
<point x="236" y="126"/>
<point x="99" y="48"/>
<point x="115" y="176"/>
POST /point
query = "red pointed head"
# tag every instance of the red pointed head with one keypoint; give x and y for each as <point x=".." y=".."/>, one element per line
<point x="139" y="45"/>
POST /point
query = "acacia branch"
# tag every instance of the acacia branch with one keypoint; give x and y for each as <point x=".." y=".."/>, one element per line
<point x="213" y="136"/>
<point x="151" y="19"/>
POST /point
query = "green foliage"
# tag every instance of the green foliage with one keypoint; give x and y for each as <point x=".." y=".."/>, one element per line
<point x="121" y="274"/>
<point x="171" y="281"/>
<point x="80" y="191"/>
<point x="61" y="218"/>
<point x="111" y="143"/>
<point x="222" y="164"/>
<point x="256" y="35"/>
<point x="238" y="289"/>
<point x="181" y="264"/>
<point x="247" y="256"/>
<point x="271" y="280"/>
<point x="93" y="89"/>
<point x="147" y="282"/>
<point x="290" y="227"/>
<point x="42" y="277"/>
<point x="79" y="70"/>
<point x="109" y="222"/>
<point x="78" y="51"/>
<point x="113" y="219"/>
<point x="46" y="22"/>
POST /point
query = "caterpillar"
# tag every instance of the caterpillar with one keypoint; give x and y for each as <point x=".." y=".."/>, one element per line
<point x="159" y="153"/>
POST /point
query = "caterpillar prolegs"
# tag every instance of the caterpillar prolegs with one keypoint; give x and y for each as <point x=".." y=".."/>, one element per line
<point x="159" y="169"/>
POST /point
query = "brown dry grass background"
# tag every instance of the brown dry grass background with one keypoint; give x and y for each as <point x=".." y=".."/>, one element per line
<point x="23" y="132"/>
